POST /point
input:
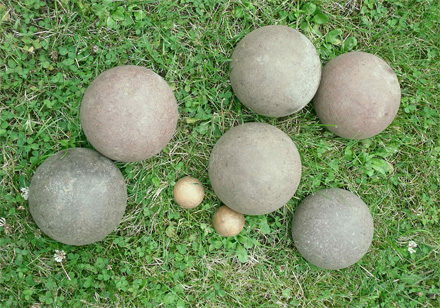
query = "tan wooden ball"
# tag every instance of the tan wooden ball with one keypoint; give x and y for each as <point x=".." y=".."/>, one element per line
<point x="188" y="192"/>
<point x="228" y="222"/>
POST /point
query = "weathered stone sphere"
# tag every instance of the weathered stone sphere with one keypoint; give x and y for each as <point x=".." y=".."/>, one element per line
<point x="255" y="168"/>
<point x="359" y="95"/>
<point x="129" y="113"/>
<point x="275" y="71"/>
<point x="332" y="228"/>
<point x="77" y="196"/>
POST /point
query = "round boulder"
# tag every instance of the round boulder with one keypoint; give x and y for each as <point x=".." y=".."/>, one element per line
<point x="275" y="71"/>
<point x="358" y="97"/>
<point x="255" y="168"/>
<point x="129" y="113"/>
<point x="77" y="196"/>
<point x="332" y="228"/>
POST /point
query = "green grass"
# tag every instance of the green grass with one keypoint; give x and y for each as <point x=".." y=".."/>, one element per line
<point x="161" y="255"/>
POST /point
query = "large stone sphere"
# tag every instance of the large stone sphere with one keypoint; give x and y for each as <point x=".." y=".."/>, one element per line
<point x="129" y="113"/>
<point x="255" y="168"/>
<point x="359" y="95"/>
<point x="77" y="196"/>
<point x="332" y="228"/>
<point x="275" y="71"/>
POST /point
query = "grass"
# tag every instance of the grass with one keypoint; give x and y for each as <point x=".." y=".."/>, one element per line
<point x="161" y="255"/>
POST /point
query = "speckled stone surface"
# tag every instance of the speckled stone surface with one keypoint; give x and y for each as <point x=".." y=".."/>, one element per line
<point x="275" y="71"/>
<point x="332" y="228"/>
<point x="359" y="95"/>
<point x="77" y="197"/>
<point x="255" y="168"/>
<point x="129" y="113"/>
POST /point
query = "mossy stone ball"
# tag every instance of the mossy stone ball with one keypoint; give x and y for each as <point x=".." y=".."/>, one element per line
<point x="77" y="196"/>
<point x="129" y="113"/>
<point x="275" y="71"/>
<point x="359" y="95"/>
<point x="332" y="228"/>
<point x="255" y="168"/>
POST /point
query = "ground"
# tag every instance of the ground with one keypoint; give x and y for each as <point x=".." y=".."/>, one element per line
<point x="162" y="255"/>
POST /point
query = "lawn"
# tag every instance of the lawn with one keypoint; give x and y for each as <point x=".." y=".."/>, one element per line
<point x="164" y="256"/>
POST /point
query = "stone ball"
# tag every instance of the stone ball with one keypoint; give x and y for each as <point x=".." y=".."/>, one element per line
<point x="255" y="168"/>
<point x="275" y="71"/>
<point x="129" y="113"/>
<point x="358" y="97"/>
<point x="332" y="228"/>
<point x="77" y="196"/>
<point x="188" y="192"/>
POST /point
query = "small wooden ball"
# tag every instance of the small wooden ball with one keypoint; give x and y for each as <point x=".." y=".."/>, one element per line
<point x="188" y="192"/>
<point x="228" y="222"/>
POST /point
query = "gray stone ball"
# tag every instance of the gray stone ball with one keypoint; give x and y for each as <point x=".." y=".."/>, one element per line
<point x="255" y="168"/>
<point x="332" y="228"/>
<point x="129" y="113"/>
<point x="275" y="71"/>
<point x="77" y="196"/>
<point x="359" y="95"/>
